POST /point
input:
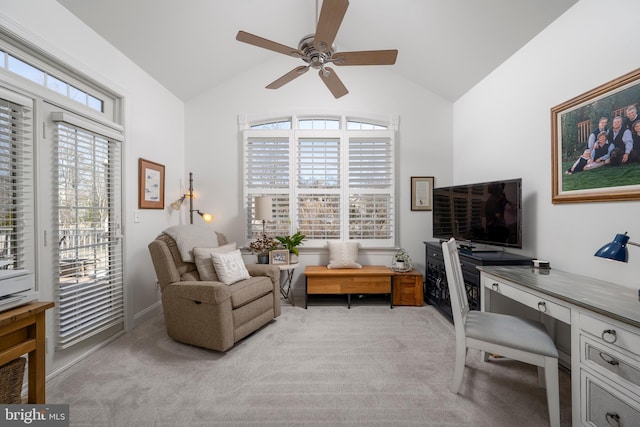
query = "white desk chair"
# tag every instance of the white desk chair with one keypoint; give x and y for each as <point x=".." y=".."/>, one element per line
<point x="509" y="336"/>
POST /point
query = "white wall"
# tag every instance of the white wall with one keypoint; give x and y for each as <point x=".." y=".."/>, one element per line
<point x="214" y="147"/>
<point x="154" y="126"/>
<point x="502" y="130"/>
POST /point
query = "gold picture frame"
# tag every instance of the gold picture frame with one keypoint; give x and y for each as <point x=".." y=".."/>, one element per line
<point x="279" y="257"/>
<point x="572" y="124"/>
<point x="422" y="193"/>
<point x="150" y="185"/>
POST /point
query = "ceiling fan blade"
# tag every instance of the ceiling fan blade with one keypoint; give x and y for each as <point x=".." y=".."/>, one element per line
<point x="296" y="72"/>
<point x="366" y="57"/>
<point x="330" y="78"/>
<point x="268" y="44"/>
<point x="331" y="16"/>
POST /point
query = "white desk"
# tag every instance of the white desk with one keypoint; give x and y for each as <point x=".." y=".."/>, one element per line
<point x="605" y="336"/>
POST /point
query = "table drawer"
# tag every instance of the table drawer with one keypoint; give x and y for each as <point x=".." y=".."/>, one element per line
<point x="543" y="305"/>
<point x="610" y="333"/>
<point x="349" y="285"/>
<point x="608" y="361"/>
<point x="604" y="406"/>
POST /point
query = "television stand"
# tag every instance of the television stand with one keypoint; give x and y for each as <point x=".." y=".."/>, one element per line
<point x="436" y="290"/>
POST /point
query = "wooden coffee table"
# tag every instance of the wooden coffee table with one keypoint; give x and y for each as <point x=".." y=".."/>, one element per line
<point x="370" y="279"/>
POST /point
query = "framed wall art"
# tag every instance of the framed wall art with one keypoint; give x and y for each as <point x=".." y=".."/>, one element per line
<point x="150" y="185"/>
<point x="421" y="193"/>
<point x="279" y="257"/>
<point x="595" y="144"/>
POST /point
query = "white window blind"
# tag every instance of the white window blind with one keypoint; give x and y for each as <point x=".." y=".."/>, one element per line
<point x="90" y="277"/>
<point x="370" y="189"/>
<point x="16" y="186"/>
<point x="329" y="179"/>
<point x="267" y="174"/>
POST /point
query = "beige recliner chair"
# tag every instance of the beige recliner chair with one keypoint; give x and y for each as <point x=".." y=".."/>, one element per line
<point x="211" y="314"/>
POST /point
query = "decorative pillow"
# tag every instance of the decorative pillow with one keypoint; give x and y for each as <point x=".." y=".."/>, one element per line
<point x="230" y="267"/>
<point x="204" y="263"/>
<point x="343" y="254"/>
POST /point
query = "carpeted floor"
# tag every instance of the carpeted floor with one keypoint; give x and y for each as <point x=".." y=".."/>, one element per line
<point x="325" y="366"/>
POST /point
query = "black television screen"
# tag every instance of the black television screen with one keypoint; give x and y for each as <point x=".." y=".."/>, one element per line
<point x="488" y="213"/>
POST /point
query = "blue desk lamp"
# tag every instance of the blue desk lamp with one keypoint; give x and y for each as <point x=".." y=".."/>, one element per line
<point x="616" y="250"/>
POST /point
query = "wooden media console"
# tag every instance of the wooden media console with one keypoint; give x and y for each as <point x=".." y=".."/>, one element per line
<point x="370" y="279"/>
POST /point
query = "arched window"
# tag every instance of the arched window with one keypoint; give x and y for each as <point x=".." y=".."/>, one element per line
<point x="328" y="177"/>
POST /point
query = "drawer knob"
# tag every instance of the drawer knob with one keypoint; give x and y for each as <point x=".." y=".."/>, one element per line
<point x="610" y="333"/>
<point x="494" y="286"/>
<point x="609" y="359"/>
<point x="542" y="306"/>
<point x="613" y="419"/>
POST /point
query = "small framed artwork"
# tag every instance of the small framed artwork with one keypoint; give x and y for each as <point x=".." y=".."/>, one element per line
<point x="421" y="193"/>
<point x="150" y="185"/>
<point x="594" y="152"/>
<point x="279" y="257"/>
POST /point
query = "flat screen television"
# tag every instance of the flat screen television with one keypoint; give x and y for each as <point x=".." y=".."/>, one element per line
<point x="488" y="213"/>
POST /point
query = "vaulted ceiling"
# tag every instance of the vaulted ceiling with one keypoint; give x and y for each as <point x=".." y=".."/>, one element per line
<point x="189" y="46"/>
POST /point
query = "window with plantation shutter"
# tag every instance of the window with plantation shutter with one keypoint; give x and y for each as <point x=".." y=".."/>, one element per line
<point x="370" y="186"/>
<point x="90" y="278"/>
<point x="16" y="183"/>
<point x="329" y="178"/>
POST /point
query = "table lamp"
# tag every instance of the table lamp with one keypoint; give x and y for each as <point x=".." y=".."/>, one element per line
<point x="263" y="210"/>
<point x="617" y="249"/>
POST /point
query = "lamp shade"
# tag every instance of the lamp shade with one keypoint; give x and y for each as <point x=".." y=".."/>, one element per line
<point x="616" y="250"/>
<point x="263" y="206"/>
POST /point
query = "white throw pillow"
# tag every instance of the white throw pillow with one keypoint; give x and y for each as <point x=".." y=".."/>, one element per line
<point x="204" y="263"/>
<point x="343" y="254"/>
<point x="230" y="267"/>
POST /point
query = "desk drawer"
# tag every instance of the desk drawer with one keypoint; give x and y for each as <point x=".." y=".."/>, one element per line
<point x="605" y="406"/>
<point x="610" y="333"/>
<point x="543" y="305"/>
<point x="608" y="361"/>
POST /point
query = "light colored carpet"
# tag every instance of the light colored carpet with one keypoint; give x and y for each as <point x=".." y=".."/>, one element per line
<point x="325" y="366"/>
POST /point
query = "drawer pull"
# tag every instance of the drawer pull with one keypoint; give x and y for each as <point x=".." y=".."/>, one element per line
<point x="611" y="332"/>
<point x="609" y="359"/>
<point x="494" y="286"/>
<point x="613" y="419"/>
<point x="542" y="306"/>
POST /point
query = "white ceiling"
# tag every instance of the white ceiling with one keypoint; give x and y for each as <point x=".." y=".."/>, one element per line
<point x="189" y="46"/>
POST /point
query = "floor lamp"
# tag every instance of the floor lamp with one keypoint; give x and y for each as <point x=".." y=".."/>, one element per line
<point x="263" y="210"/>
<point x="176" y="205"/>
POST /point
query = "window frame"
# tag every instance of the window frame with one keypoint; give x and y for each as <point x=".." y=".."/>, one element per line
<point x="286" y="220"/>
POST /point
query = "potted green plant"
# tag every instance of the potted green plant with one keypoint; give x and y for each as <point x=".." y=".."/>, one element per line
<point x="291" y="243"/>
<point x="261" y="247"/>
<point x="401" y="261"/>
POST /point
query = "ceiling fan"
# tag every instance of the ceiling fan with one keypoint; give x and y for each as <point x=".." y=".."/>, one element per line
<point x="318" y="50"/>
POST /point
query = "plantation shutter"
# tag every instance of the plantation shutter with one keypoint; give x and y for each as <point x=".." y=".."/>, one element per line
<point x="328" y="178"/>
<point x="370" y="189"/>
<point x="87" y="158"/>
<point x="318" y="175"/>
<point x="267" y="174"/>
<point x="16" y="183"/>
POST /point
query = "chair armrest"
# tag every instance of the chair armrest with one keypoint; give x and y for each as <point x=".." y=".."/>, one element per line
<point x="269" y="270"/>
<point x="208" y="292"/>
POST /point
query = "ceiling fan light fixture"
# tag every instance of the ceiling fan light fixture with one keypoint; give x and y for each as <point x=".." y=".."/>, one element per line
<point x="318" y="49"/>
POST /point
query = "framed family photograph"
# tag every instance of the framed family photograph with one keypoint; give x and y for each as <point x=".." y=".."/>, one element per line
<point x="595" y="144"/>
<point x="150" y="185"/>
<point x="421" y="193"/>
<point x="279" y="257"/>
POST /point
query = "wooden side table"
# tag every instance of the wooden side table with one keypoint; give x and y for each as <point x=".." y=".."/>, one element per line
<point x="407" y="288"/>
<point x="22" y="330"/>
